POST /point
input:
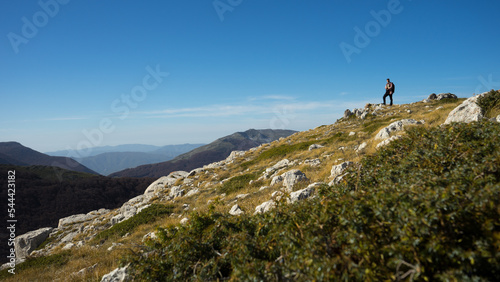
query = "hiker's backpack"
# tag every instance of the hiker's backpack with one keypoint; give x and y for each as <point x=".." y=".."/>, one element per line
<point x="393" y="87"/>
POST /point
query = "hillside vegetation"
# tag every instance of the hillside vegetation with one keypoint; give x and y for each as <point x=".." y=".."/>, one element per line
<point x="425" y="207"/>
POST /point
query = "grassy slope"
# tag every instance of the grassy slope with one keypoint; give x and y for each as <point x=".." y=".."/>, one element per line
<point x="350" y="231"/>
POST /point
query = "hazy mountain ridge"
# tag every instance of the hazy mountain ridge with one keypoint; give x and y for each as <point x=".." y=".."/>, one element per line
<point x="17" y="154"/>
<point x="110" y="162"/>
<point x="213" y="152"/>
<point x="143" y="148"/>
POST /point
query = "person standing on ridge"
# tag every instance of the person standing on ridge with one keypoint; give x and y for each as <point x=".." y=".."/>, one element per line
<point x="389" y="90"/>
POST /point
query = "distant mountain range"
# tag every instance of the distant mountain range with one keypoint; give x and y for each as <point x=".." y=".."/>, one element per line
<point x="213" y="152"/>
<point x="174" y="150"/>
<point x="14" y="153"/>
<point x="109" y="159"/>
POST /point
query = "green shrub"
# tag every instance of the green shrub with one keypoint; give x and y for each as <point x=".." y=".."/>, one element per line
<point x="490" y="103"/>
<point x="422" y="208"/>
<point x="237" y="183"/>
<point x="147" y="215"/>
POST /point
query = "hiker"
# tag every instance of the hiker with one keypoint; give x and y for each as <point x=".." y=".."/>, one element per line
<point x="389" y="90"/>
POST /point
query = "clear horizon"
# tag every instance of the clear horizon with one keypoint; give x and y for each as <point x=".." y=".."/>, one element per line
<point x="79" y="75"/>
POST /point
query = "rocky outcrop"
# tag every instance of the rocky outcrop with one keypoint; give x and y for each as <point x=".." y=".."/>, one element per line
<point x="289" y="179"/>
<point x="165" y="181"/>
<point x="234" y="155"/>
<point x="117" y="275"/>
<point x="270" y="171"/>
<point x="303" y="193"/>
<point x="468" y="111"/>
<point x="28" y="242"/>
<point x="438" y="97"/>
<point x="78" y="218"/>
<point x="265" y="207"/>
<point x="235" y="210"/>
<point x="338" y="172"/>
<point x="396" y="126"/>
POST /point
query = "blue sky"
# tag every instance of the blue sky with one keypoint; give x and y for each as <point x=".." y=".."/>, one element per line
<point x="76" y="74"/>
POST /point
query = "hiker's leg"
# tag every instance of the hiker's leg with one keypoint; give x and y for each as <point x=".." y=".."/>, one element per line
<point x="390" y="96"/>
<point x="384" y="97"/>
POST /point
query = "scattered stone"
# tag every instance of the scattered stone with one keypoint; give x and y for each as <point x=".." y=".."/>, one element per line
<point x="276" y="180"/>
<point x="361" y="147"/>
<point x="265" y="207"/>
<point x="236" y="210"/>
<point x="28" y="242"/>
<point x="114" y="245"/>
<point x="386" y="132"/>
<point x="184" y="221"/>
<point x="68" y="246"/>
<point x="234" y="155"/>
<point x="77" y="218"/>
<point x="195" y="172"/>
<point x="314" y="162"/>
<point x="315" y="146"/>
<point x="85" y="271"/>
<point x="338" y="170"/>
<point x="303" y="194"/>
<point x="69" y="237"/>
<point x="149" y="236"/>
<point x="292" y="177"/>
<point x="263" y="188"/>
<point x="241" y="196"/>
<point x="176" y="192"/>
<point x="279" y="165"/>
<point x="165" y="181"/>
<point x="446" y="96"/>
<point x="438" y="97"/>
<point x="117" y="275"/>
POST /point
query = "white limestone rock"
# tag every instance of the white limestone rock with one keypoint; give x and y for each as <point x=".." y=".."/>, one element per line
<point x="303" y="193"/>
<point x="265" y="207"/>
<point x="28" y="242"/>
<point x="236" y="210"/>
<point x="467" y="112"/>
<point x="396" y="126"/>
<point x="117" y="275"/>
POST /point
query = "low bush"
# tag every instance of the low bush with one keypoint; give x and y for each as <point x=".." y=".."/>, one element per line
<point x="423" y="208"/>
<point x="490" y="103"/>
